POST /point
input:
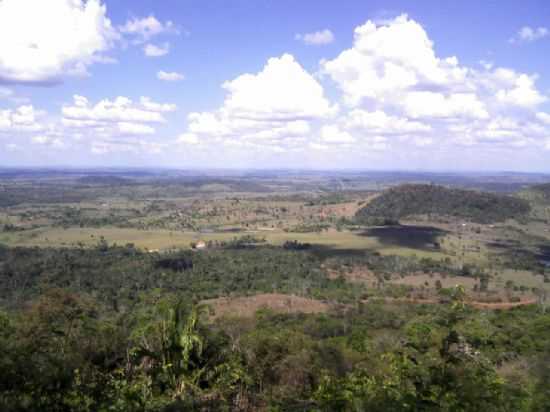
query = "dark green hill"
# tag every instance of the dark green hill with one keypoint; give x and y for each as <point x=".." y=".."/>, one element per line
<point x="541" y="191"/>
<point x="422" y="199"/>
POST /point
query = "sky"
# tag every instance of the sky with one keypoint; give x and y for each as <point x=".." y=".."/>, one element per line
<point x="264" y="84"/>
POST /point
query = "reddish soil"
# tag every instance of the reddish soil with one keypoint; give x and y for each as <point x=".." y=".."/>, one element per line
<point x="247" y="306"/>
<point x="502" y="305"/>
<point x="477" y="305"/>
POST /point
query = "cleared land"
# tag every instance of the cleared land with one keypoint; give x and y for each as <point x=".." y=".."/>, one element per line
<point x="316" y="213"/>
<point x="249" y="305"/>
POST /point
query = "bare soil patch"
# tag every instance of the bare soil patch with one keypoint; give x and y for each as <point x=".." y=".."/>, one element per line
<point x="359" y="274"/>
<point x="248" y="305"/>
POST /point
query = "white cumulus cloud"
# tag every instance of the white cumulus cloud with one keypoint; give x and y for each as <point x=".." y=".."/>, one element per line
<point x="379" y="122"/>
<point x="121" y="109"/>
<point x="283" y="90"/>
<point x="41" y="41"/>
<point x="389" y="59"/>
<point x="114" y="124"/>
<point x="332" y="134"/>
<point x="394" y="83"/>
<point x="144" y="29"/>
<point x="22" y="119"/>
<point x="271" y="110"/>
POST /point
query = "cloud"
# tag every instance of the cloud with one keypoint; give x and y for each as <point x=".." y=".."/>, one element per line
<point x="390" y="94"/>
<point x="544" y="117"/>
<point x="378" y="122"/>
<point x="522" y="92"/>
<point x="396" y="93"/>
<point x="393" y="82"/>
<point x="117" y="125"/>
<point x="528" y="34"/>
<point x="170" y="76"/>
<point x="121" y="109"/>
<point x="271" y="110"/>
<point x="42" y="41"/>
<point x="114" y="125"/>
<point x="283" y="90"/>
<point x="188" y="138"/>
<point x="22" y="119"/>
<point x="144" y="29"/>
<point x="151" y="50"/>
<point x="53" y="142"/>
<point x="149" y="104"/>
<point x="126" y="128"/>
<point x="332" y="134"/>
<point x="389" y="59"/>
<point x="317" y="38"/>
<point x="425" y="104"/>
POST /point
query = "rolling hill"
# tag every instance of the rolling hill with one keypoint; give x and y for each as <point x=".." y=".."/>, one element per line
<point x="421" y="199"/>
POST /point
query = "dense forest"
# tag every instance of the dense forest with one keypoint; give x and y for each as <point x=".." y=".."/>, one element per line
<point x="422" y="199"/>
<point x="112" y="328"/>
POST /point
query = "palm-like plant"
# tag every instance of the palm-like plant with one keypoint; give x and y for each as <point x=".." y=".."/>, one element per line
<point x="177" y="358"/>
<point x="186" y="346"/>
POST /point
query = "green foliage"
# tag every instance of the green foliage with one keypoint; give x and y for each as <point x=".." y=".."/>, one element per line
<point x="543" y="190"/>
<point x="115" y="329"/>
<point x="118" y="275"/>
<point x="59" y="354"/>
<point x="408" y="200"/>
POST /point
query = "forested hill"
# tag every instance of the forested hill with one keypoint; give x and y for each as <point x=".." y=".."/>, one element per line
<point x="542" y="190"/>
<point x="420" y="199"/>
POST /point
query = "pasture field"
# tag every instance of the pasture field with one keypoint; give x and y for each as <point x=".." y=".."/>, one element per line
<point x="165" y="214"/>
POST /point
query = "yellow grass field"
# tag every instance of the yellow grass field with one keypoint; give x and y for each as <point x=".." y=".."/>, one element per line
<point x="165" y="239"/>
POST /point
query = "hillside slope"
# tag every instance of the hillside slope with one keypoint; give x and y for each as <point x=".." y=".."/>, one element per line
<point x="538" y="193"/>
<point x="421" y="199"/>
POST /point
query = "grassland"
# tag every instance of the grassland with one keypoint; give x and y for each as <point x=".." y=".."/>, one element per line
<point x="162" y="215"/>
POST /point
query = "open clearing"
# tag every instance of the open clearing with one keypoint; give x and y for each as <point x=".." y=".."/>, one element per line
<point x="166" y="239"/>
<point x="428" y="280"/>
<point x="249" y="305"/>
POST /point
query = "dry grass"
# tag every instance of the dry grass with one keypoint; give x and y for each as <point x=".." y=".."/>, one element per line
<point x="249" y="305"/>
<point x="421" y="279"/>
<point x="357" y="274"/>
<point x="521" y="278"/>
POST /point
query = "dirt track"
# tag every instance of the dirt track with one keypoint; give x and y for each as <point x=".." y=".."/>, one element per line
<point x="475" y="304"/>
<point x="247" y="306"/>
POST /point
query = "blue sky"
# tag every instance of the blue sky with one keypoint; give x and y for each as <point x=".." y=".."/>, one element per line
<point x="272" y="84"/>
